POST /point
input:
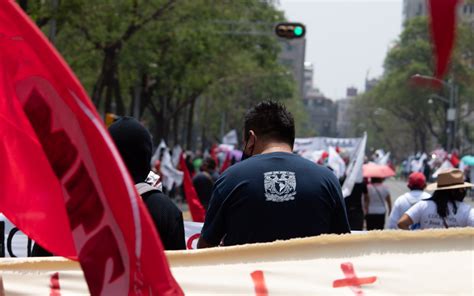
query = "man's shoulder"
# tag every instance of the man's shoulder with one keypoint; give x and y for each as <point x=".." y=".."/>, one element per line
<point x="157" y="200"/>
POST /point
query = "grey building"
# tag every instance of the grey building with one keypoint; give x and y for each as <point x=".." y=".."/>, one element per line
<point x="322" y="113"/>
<point x="345" y="113"/>
<point x="414" y="8"/>
<point x="292" y="56"/>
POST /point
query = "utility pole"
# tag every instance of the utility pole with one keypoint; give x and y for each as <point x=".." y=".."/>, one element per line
<point x="451" y="112"/>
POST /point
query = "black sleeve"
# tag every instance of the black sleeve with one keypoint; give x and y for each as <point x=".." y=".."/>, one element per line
<point x="168" y="220"/>
<point x="339" y="222"/>
<point x="38" y="251"/>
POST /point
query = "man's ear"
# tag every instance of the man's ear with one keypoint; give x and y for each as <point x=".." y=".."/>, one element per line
<point x="252" y="140"/>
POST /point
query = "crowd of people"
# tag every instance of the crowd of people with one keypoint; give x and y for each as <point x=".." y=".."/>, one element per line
<point x="273" y="194"/>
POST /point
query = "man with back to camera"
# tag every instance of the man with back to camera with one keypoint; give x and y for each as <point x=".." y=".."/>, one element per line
<point x="274" y="194"/>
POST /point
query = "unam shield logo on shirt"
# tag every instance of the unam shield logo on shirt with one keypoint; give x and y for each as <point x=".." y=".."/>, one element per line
<point x="280" y="186"/>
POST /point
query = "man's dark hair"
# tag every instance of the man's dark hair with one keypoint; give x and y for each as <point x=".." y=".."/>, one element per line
<point x="209" y="163"/>
<point x="270" y="121"/>
<point x="442" y="197"/>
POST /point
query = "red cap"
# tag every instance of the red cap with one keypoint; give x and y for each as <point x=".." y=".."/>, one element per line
<point x="416" y="181"/>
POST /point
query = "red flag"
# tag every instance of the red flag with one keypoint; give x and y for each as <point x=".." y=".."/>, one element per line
<point x="214" y="153"/>
<point x="226" y="163"/>
<point x="61" y="178"/>
<point x="198" y="213"/>
<point x="443" y="31"/>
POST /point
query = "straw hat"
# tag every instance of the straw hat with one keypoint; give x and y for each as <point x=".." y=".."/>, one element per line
<point x="449" y="179"/>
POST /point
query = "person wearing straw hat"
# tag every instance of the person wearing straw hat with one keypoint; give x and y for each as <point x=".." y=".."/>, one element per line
<point x="445" y="209"/>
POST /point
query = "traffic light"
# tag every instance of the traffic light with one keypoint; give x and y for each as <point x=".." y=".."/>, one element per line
<point x="290" y="30"/>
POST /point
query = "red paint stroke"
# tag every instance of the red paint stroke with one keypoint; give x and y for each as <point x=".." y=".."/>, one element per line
<point x="259" y="283"/>
<point x="54" y="285"/>
<point x="352" y="280"/>
<point x="191" y="239"/>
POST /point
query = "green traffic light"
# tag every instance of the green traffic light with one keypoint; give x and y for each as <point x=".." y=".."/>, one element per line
<point x="298" y="31"/>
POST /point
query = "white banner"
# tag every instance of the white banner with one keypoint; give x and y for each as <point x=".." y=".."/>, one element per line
<point x="436" y="262"/>
<point x="192" y="231"/>
<point x="303" y="145"/>
<point x="15" y="242"/>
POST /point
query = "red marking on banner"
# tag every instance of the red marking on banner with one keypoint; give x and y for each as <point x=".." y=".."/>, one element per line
<point x="191" y="239"/>
<point x="259" y="283"/>
<point x="352" y="280"/>
<point x="54" y="285"/>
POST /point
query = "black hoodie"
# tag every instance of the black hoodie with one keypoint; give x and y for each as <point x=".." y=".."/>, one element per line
<point x="135" y="146"/>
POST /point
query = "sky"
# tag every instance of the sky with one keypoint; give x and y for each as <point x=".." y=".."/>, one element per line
<point x="346" y="40"/>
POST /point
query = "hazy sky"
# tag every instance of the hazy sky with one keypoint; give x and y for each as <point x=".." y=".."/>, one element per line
<point x="346" y="39"/>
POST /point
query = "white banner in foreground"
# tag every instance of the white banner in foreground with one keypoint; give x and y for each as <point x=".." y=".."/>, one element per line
<point x="378" y="263"/>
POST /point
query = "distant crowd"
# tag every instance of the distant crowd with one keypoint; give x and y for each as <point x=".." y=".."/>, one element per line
<point x="273" y="194"/>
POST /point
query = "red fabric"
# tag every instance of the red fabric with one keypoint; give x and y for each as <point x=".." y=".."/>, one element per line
<point x="214" y="153"/>
<point x="455" y="160"/>
<point x="62" y="180"/>
<point x="417" y="180"/>
<point x="443" y="31"/>
<point x="195" y="207"/>
<point x="226" y="163"/>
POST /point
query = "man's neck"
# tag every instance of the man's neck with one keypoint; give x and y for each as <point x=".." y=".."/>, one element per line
<point x="276" y="147"/>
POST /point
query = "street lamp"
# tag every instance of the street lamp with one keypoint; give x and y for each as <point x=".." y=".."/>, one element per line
<point x="451" y="112"/>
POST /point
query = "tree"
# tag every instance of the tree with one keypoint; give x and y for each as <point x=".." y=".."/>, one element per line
<point x="403" y="114"/>
<point x="176" y="64"/>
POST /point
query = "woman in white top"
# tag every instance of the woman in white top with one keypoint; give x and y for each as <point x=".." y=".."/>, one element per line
<point x="445" y="209"/>
<point x="375" y="203"/>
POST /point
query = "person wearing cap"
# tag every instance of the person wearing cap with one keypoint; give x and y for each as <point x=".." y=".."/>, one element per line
<point x="445" y="209"/>
<point x="416" y="184"/>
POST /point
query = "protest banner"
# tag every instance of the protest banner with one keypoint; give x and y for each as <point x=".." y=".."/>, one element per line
<point x="430" y="262"/>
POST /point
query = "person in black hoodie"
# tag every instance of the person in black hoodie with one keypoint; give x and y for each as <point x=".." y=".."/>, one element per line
<point x="135" y="146"/>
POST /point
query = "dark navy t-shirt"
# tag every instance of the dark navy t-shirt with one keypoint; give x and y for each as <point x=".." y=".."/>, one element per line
<point x="274" y="196"/>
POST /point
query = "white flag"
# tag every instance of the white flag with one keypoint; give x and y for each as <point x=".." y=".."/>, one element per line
<point x="156" y="155"/>
<point x="230" y="138"/>
<point x="176" y="155"/>
<point x="170" y="174"/>
<point x="354" y="171"/>
<point x="336" y="162"/>
<point x="384" y="159"/>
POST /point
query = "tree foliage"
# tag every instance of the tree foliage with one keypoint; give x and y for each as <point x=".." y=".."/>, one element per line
<point x="403" y="118"/>
<point x="188" y="68"/>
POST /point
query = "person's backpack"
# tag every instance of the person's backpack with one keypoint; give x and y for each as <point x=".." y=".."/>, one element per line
<point x="144" y="188"/>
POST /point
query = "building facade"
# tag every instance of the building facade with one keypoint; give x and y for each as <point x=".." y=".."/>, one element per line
<point x="322" y="112"/>
<point x="414" y="8"/>
<point x="344" y="114"/>
<point x="292" y="56"/>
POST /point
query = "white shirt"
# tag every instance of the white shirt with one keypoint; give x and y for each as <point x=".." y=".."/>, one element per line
<point x="378" y="193"/>
<point x="424" y="213"/>
<point x="403" y="203"/>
